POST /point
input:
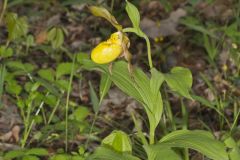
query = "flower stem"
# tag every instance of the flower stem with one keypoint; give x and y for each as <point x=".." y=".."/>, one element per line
<point x="67" y="103"/>
<point x="149" y="52"/>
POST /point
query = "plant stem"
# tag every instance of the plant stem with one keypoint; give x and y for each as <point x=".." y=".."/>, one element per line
<point x="91" y="129"/>
<point x="3" y="10"/>
<point x="54" y="110"/>
<point x="151" y="135"/>
<point x="67" y="103"/>
<point x="185" y="126"/>
<point x="27" y="119"/>
<point x="236" y="117"/>
<point x="149" y="52"/>
<point x="143" y="35"/>
<point x="169" y="113"/>
<point x="93" y="123"/>
<point x="95" y="117"/>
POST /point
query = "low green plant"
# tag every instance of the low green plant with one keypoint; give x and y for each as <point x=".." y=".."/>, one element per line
<point x="146" y="90"/>
<point x="26" y="154"/>
<point x="43" y="96"/>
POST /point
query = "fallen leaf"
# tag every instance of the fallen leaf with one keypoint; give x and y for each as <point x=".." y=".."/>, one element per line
<point x="8" y="147"/>
<point x="41" y="37"/>
<point x="6" y="137"/>
<point x="15" y="132"/>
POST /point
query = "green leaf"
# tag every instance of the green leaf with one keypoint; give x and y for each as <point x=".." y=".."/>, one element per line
<point x="49" y="86"/>
<point x="133" y="14"/>
<point x="16" y="26"/>
<point x="136" y="85"/>
<point x="105" y="85"/>
<point x="94" y="98"/>
<point x="158" y="152"/>
<point x="81" y="113"/>
<point x="29" y="67"/>
<point x="14" y="154"/>
<point x="47" y="74"/>
<point x="61" y="157"/>
<point x="102" y="12"/>
<point x="194" y="24"/>
<point x="234" y="150"/>
<point x="50" y="100"/>
<point x="56" y="37"/>
<point x="119" y="141"/>
<point x="30" y="41"/>
<point x="180" y="81"/>
<point x="156" y="81"/>
<point x="17" y="65"/>
<point x="37" y="152"/>
<point x="13" y="88"/>
<point x="201" y="141"/>
<point x="122" y="78"/>
<point x="5" y="52"/>
<point x="104" y="153"/>
<point x="77" y="158"/>
<point x="30" y="157"/>
<point x="156" y="99"/>
<point x="210" y="46"/>
<point x="64" y="69"/>
<point x="62" y="84"/>
<point x="232" y="31"/>
<point x="208" y="103"/>
<point x="82" y="56"/>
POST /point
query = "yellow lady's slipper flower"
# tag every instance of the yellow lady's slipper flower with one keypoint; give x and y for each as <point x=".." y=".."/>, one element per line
<point x="111" y="49"/>
<point x="106" y="52"/>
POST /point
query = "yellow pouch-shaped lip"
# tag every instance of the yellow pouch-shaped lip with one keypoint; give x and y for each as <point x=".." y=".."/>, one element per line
<point x="106" y="52"/>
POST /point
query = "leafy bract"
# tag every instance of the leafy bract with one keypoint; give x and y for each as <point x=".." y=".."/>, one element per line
<point x="133" y="14"/>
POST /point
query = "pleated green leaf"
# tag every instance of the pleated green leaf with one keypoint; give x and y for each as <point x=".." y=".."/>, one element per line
<point x="104" y="153"/>
<point x="201" y="141"/>
<point x="119" y="141"/>
<point x="158" y="152"/>
<point x="136" y="85"/>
